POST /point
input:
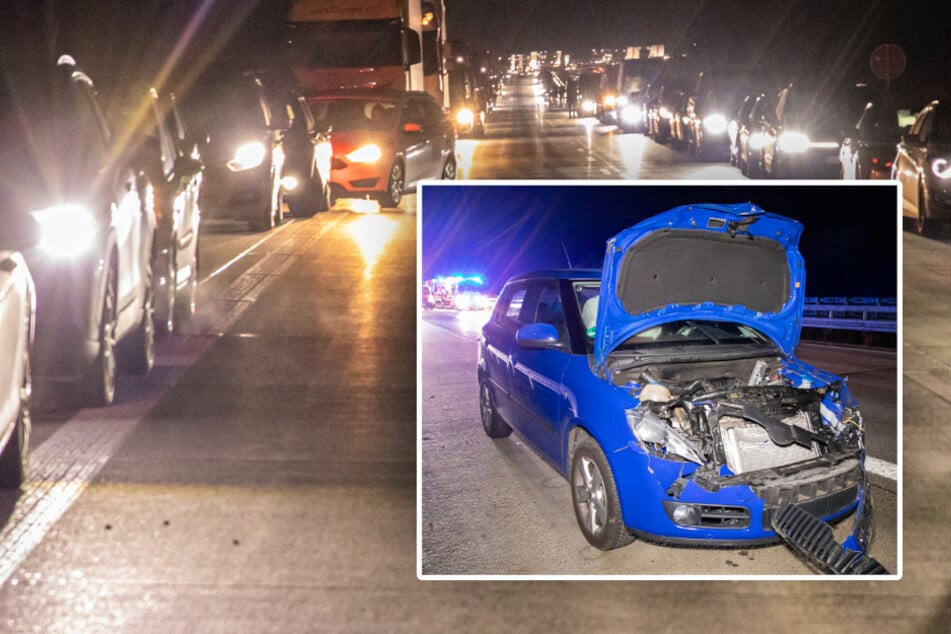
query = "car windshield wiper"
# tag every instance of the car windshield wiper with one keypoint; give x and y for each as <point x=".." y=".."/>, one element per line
<point x="687" y="353"/>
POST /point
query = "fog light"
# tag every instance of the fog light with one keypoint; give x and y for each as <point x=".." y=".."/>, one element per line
<point x="686" y="515"/>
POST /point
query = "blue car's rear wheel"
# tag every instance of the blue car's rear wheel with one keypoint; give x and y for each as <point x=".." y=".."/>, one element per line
<point x="594" y="497"/>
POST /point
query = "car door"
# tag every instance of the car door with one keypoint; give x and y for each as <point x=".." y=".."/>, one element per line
<point x="437" y="130"/>
<point x="912" y="159"/>
<point x="537" y="374"/>
<point x="497" y="346"/>
<point x="412" y="140"/>
<point x="120" y="183"/>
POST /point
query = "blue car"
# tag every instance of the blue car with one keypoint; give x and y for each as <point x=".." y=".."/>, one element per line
<point x="666" y="390"/>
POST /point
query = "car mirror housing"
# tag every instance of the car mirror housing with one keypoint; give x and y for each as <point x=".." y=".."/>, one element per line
<point x="538" y="337"/>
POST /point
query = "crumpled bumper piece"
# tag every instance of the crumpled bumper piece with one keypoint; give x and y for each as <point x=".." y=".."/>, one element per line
<point x="813" y="538"/>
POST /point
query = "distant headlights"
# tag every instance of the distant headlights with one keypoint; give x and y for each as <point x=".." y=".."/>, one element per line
<point x="67" y="230"/>
<point x="631" y="114"/>
<point x="793" y="142"/>
<point x="465" y="117"/>
<point x="609" y="101"/>
<point x="369" y="153"/>
<point x="588" y="106"/>
<point x="248" y="156"/>
<point x="715" y="124"/>
<point x="941" y="168"/>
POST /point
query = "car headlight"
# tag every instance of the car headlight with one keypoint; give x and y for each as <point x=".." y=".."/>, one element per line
<point x="715" y="123"/>
<point x="465" y="117"/>
<point x="758" y="140"/>
<point x="588" y="106"/>
<point x="665" y="113"/>
<point x="247" y="156"/>
<point x="621" y="100"/>
<point x="67" y="230"/>
<point x="289" y="183"/>
<point x="793" y="142"/>
<point x="369" y="153"/>
<point x="630" y="114"/>
<point x="941" y="168"/>
<point x="609" y="101"/>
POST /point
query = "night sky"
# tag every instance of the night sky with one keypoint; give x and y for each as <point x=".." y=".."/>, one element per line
<point x="849" y="242"/>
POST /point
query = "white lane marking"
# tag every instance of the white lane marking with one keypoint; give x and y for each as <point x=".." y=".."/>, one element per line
<point x="221" y="269"/>
<point x="63" y="466"/>
<point x="881" y="468"/>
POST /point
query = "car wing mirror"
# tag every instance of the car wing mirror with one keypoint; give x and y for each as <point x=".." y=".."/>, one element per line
<point x="537" y="337"/>
<point x="187" y="166"/>
<point x="412" y="127"/>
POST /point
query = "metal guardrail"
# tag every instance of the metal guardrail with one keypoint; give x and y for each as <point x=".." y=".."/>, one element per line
<point x="869" y="314"/>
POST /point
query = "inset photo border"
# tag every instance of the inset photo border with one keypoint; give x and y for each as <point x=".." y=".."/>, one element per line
<point x="604" y="419"/>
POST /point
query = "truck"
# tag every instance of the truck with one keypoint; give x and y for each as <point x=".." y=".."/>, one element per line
<point x="394" y="44"/>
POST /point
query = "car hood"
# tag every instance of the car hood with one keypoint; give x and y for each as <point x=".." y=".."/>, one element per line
<point x="710" y="262"/>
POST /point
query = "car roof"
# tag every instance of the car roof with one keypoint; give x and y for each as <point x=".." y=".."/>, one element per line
<point x="381" y="94"/>
<point x="559" y="274"/>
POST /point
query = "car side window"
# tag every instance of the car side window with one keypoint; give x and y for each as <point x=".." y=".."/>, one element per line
<point x="412" y="113"/>
<point x="510" y="306"/>
<point x="549" y="309"/>
<point x="432" y="113"/>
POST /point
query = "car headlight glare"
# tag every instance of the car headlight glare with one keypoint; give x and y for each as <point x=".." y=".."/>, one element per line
<point x="621" y="100"/>
<point x="758" y="140"/>
<point x="715" y="124"/>
<point x="465" y="117"/>
<point x="941" y="168"/>
<point x="369" y="153"/>
<point x="247" y="156"/>
<point x="609" y="101"/>
<point x="588" y="106"/>
<point x="630" y="114"/>
<point x="793" y="142"/>
<point x="665" y="113"/>
<point x="67" y="230"/>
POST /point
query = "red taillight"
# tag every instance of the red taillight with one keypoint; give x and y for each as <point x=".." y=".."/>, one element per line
<point x="874" y="160"/>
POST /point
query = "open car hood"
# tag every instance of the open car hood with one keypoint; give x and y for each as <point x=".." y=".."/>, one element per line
<point x="732" y="263"/>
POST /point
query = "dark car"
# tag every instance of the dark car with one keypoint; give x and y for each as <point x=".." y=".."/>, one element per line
<point x="174" y="167"/>
<point x="92" y="265"/>
<point x="244" y="152"/>
<point x="468" y="102"/>
<point x="18" y="231"/>
<point x="923" y="167"/>
<point x="803" y="139"/>
<point x="740" y="120"/>
<point x="385" y="141"/>
<point x="751" y="136"/>
<point x="666" y="389"/>
<point x="634" y="78"/>
<point x="307" y="152"/>
<point x="868" y="150"/>
<point x="704" y="117"/>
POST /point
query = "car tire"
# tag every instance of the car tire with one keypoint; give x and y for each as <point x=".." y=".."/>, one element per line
<point x="594" y="496"/>
<point x="98" y="387"/>
<point x="449" y="169"/>
<point x="140" y="345"/>
<point x="394" y="185"/>
<point x="325" y="197"/>
<point x="492" y="422"/>
<point x="14" y="458"/>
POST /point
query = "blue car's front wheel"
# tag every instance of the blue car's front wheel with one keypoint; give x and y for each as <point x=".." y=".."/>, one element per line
<point x="594" y="497"/>
<point x="493" y="424"/>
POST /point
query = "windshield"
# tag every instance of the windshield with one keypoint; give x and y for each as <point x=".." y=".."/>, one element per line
<point x="354" y="114"/>
<point x="224" y="108"/>
<point x="693" y="333"/>
<point x="346" y="44"/>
